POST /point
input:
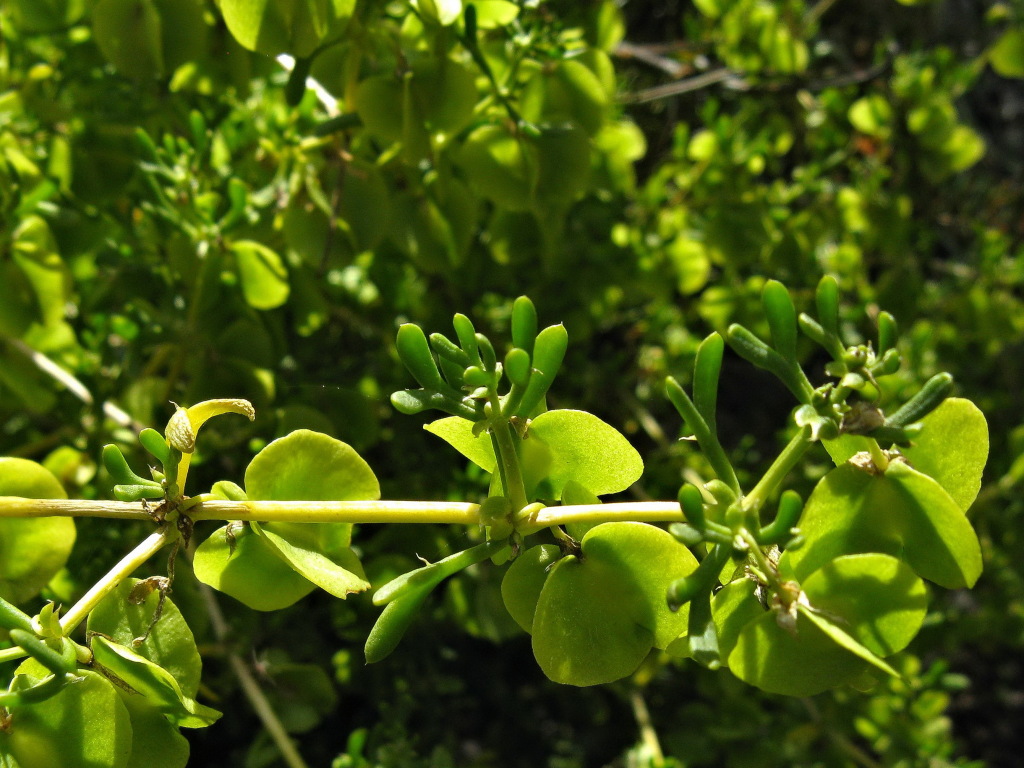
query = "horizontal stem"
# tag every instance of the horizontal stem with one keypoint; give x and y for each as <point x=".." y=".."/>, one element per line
<point x="626" y="511"/>
<point x="344" y="511"/>
<point x="16" y="506"/>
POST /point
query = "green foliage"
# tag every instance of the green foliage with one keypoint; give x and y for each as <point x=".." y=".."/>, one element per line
<point x="184" y="218"/>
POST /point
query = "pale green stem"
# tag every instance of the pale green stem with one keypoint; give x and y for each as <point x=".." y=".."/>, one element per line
<point x="512" y="473"/>
<point x="878" y="456"/>
<point x="766" y="568"/>
<point x="149" y="547"/>
<point x="777" y="472"/>
<point x="16" y="506"/>
<point x="12" y="654"/>
<point x="344" y="511"/>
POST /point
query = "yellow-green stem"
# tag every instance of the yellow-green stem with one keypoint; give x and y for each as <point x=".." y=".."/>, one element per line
<point x="129" y="563"/>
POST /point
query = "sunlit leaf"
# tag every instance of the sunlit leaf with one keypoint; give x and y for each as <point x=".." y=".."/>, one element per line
<point x="83" y="726"/>
<point x="153" y="682"/>
<point x="32" y="550"/>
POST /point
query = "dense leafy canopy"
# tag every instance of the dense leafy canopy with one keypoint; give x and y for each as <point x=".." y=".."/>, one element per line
<point x="184" y="216"/>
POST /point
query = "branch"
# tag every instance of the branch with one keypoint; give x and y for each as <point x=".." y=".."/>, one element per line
<point x="250" y="687"/>
<point x="73" y="385"/>
<point x="342" y="511"/>
<point x="129" y="563"/>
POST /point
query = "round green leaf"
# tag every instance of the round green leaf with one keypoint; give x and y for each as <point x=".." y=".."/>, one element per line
<point x="599" y="615"/>
<point x="458" y="433"/>
<point x="1007" y="55"/>
<point x="899" y="512"/>
<point x="121" y="617"/>
<point x="586" y="629"/>
<point x="83" y="726"/>
<point x="524" y="580"/>
<point x="872" y="115"/>
<point x="953" y="448"/>
<point x="563" y="154"/>
<point x="35" y="252"/>
<point x="586" y="450"/>
<point x="310" y="466"/>
<point x="156" y="742"/>
<point x="734" y="606"/>
<point x="284" y="26"/>
<point x="320" y="552"/>
<point x="499" y="165"/>
<point x="567" y="94"/>
<point x="859" y="606"/>
<point x="875" y="598"/>
<point x="809" y="662"/>
<point x="262" y="273"/>
<point x="249" y="570"/>
<point x="32" y="550"/>
<point x="152" y="681"/>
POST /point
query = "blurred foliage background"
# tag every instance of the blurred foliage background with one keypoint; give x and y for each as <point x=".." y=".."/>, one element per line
<point x="181" y="219"/>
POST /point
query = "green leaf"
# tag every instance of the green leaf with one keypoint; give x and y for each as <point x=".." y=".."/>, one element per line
<point x="1007" y="55"/>
<point x="83" y="726"/>
<point x="875" y="598"/>
<point x="121" y="617"/>
<point x="262" y="273"/>
<point x="809" y="662"/>
<point x="524" y="580"/>
<point x="599" y="615"/>
<point x="872" y="115"/>
<point x="859" y="607"/>
<point x="901" y="512"/>
<point x="156" y="742"/>
<point x="249" y="569"/>
<point x="310" y="466"/>
<point x="733" y="607"/>
<point x="953" y="448"/>
<point x="495" y="13"/>
<point x="152" y="681"/>
<point x="845" y="447"/>
<point x="35" y="252"/>
<point x="560" y="446"/>
<point x="32" y="550"/>
<point x="320" y="552"/>
<point x="583" y="449"/>
<point x="458" y="433"/>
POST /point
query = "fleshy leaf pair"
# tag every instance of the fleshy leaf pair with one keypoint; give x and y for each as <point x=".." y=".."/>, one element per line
<point x="595" y="616"/>
<point x="854" y="611"/>
<point x="272" y="565"/>
<point x="912" y="511"/>
<point x="131" y="724"/>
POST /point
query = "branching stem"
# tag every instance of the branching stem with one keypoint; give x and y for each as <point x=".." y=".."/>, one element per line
<point x="777" y="472"/>
<point x="441" y="512"/>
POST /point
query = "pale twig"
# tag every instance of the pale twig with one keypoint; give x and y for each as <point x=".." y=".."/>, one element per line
<point x="250" y="687"/>
<point x="73" y="385"/>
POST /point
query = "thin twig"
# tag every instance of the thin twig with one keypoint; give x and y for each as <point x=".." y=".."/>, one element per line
<point x="250" y="687"/>
<point x="648" y="734"/>
<point x="437" y="512"/>
<point x="648" y="55"/>
<point x="687" y="85"/>
<point x="73" y="385"/>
